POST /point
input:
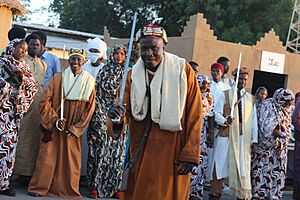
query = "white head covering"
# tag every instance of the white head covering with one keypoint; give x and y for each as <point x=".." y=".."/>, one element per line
<point x="99" y="44"/>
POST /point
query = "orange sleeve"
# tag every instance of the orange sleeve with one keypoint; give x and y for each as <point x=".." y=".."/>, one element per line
<point x="47" y="113"/>
<point x="192" y="130"/>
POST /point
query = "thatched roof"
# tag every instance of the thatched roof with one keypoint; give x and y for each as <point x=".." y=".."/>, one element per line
<point x="14" y="5"/>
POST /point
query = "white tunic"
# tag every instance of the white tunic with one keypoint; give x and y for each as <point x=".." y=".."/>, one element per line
<point x="219" y="154"/>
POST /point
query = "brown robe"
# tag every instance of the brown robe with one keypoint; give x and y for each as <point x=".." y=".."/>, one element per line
<point x="57" y="171"/>
<point x="29" y="134"/>
<point x="155" y="174"/>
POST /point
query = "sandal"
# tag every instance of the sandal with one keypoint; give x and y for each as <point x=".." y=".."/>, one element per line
<point x="93" y="194"/>
<point x="116" y="195"/>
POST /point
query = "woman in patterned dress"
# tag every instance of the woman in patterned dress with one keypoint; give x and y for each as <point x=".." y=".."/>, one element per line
<point x="106" y="156"/>
<point x="17" y="91"/>
<point x="199" y="174"/>
<point x="260" y="95"/>
<point x="269" y="164"/>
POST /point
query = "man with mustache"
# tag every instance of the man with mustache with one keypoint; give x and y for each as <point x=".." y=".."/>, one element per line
<point x="161" y="94"/>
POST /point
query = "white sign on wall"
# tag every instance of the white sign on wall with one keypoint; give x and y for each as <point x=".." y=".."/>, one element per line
<point x="272" y="62"/>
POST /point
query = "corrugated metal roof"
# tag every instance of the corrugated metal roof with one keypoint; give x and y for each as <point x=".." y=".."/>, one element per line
<point x="58" y="37"/>
<point x="57" y="30"/>
<point x="58" y="42"/>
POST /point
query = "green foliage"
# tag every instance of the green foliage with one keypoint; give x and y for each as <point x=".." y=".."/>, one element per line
<point x="26" y="4"/>
<point x="93" y="15"/>
<point x="242" y="21"/>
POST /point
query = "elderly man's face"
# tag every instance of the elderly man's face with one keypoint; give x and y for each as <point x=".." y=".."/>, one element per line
<point x="152" y="51"/>
<point x="76" y="62"/>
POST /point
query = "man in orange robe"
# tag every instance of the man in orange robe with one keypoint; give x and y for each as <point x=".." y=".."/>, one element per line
<point x="57" y="171"/>
<point x="173" y="145"/>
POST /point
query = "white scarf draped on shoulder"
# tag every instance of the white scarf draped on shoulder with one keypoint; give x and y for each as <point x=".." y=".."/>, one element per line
<point x="168" y="90"/>
<point x="78" y="88"/>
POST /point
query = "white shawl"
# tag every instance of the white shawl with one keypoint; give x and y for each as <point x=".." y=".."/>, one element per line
<point x="168" y="90"/>
<point x="82" y="88"/>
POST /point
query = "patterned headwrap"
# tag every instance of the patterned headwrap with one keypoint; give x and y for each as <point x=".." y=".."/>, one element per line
<point x="10" y="64"/>
<point x="217" y="66"/>
<point x="152" y="30"/>
<point x="207" y="98"/>
<point x="273" y="115"/>
<point x="259" y="89"/>
<point x="12" y="45"/>
<point x="78" y="52"/>
<point x="201" y="78"/>
<point x="115" y="48"/>
<point x="281" y="96"/>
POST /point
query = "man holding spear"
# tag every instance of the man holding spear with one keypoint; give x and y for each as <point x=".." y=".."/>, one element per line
<point x="237" y="120"/>
<point x="164" y="110"/>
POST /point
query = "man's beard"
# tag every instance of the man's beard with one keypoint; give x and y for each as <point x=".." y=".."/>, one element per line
<point x="33" y="54"/>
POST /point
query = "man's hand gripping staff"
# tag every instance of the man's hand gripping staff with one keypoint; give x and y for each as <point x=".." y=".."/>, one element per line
<point x="116" y="112"/>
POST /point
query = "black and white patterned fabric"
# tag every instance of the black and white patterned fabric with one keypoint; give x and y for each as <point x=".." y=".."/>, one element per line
<point x="106" y="156"/>
<point x="15" y="100"/>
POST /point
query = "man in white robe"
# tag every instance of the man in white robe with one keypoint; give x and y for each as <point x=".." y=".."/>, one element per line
<point x="221" y="162"/>
<point x="235" y="139"/>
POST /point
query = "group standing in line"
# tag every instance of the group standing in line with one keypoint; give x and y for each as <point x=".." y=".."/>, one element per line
<point x="179" y="139"/>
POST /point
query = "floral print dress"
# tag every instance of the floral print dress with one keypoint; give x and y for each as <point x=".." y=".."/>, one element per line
<point x="199" y="175"/>
<point x="15" y="100"/>
<point x="106" y="156"/>
<point x="269" y="164"/>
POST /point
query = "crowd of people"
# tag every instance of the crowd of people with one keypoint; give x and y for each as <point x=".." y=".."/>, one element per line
<point x="176" y="131"/>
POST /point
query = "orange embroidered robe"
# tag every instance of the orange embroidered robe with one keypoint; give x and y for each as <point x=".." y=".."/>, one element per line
<point x="154" y="176"/>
